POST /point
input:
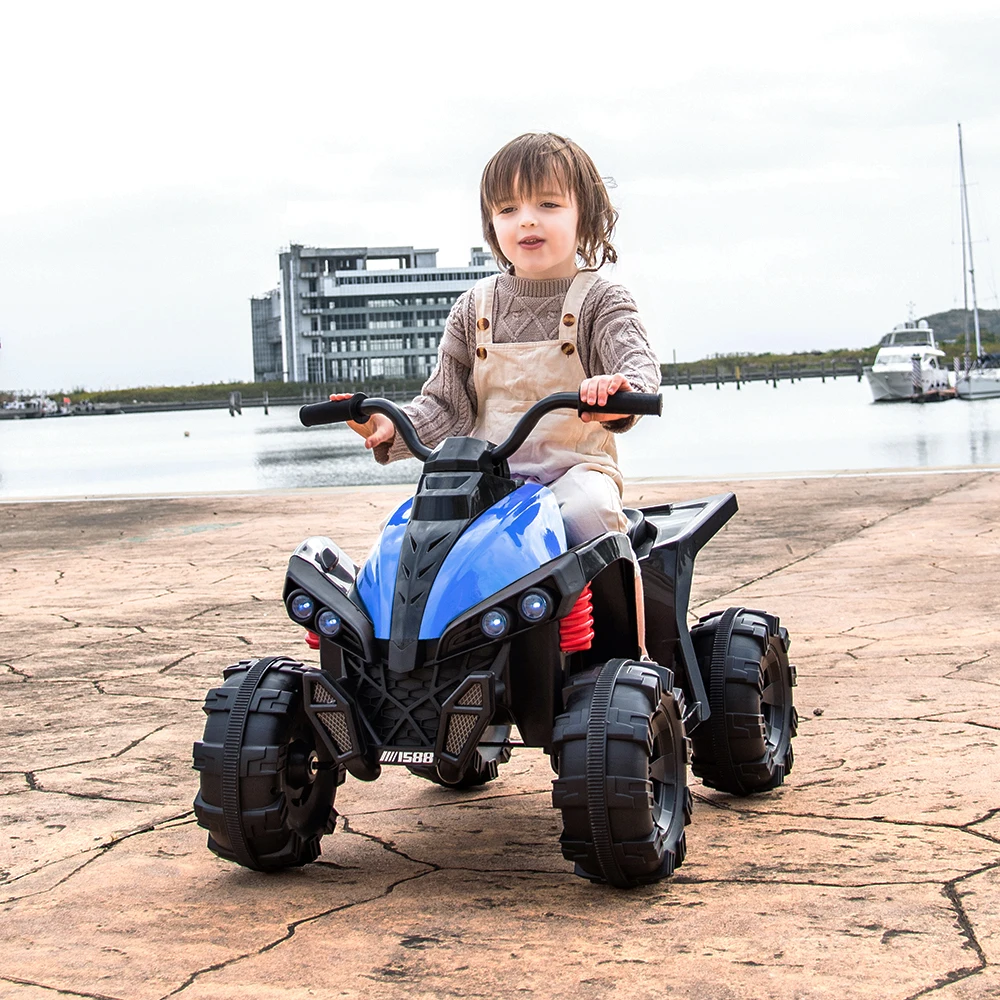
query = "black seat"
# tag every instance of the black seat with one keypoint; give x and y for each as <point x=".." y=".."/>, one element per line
<point x="637" y="526"/>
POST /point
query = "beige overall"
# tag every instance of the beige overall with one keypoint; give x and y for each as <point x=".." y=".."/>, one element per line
<point x="576" y="460"/>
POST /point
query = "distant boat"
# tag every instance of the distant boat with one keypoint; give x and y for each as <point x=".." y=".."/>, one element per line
<point x="907" y="365"/>
<point x="979" y="376"/>
<point x="981" y="380"/>
<point x="21" y="409"/>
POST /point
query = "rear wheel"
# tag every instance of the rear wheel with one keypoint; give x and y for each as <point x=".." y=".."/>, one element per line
<point x="492" y="751"/>
<point x="622" y="766"/>
<point x="745" y="746"/>
<point x="267" y="784"/>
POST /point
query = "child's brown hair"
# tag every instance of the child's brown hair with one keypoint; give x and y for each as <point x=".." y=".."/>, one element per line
<point x="525" y="165"/>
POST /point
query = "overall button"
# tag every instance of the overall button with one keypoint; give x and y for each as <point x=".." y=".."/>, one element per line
<point x="482" y="323"/>
<point x="567" y="349"/>
<point x="481" y="351"/>
<point x="568" y="320"/>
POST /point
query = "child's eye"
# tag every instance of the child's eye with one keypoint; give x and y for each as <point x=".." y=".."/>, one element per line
<point x="549" y="204"/>
<point x="506" y="210"/>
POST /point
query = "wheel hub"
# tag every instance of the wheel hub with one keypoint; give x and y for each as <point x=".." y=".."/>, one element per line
<point x="303" y="766"/>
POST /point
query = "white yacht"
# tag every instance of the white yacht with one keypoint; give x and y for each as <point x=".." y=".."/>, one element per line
<point x="907" y="364"/>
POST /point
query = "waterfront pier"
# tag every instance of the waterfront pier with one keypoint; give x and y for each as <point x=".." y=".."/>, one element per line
<point x="789" y="371"/>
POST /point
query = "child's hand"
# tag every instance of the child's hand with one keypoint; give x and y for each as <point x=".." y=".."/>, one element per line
<point x="377" y="429"/>
<point x="597" y="389"/>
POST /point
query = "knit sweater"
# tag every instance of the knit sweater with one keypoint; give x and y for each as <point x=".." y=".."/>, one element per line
<point x="610" y="339"/>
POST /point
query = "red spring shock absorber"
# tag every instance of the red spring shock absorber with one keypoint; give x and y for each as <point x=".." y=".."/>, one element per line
<point x="576" y="630"/>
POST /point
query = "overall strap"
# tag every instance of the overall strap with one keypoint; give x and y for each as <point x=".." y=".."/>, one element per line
<point x="573" y="305"/>
<point x="484" y="291"/>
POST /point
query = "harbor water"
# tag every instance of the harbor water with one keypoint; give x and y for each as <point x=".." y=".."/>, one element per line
<point x="704" y="433"/>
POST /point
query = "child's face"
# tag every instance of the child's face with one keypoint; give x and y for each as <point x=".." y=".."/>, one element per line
<point x="538" y="233"/>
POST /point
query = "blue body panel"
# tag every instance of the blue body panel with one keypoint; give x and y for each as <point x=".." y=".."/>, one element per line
<point x="509" y="540"/>
<point x="376" y="583"/>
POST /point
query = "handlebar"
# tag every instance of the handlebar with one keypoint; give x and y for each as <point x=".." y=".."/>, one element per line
<point x="360" y="407"/>
<point x="621" y="402"/>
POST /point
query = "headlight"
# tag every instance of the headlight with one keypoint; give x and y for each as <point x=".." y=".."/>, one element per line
<point x="301" y="606"/>
<point x="534" y="606"/>
<point x="494" y="623"/>
<point x="328" y="623"/>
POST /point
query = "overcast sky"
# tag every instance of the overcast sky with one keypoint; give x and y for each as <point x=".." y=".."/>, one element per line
<point x="787" y="173"/>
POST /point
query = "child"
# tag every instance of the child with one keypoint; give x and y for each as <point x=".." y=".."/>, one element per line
<point x="548" y="323"/>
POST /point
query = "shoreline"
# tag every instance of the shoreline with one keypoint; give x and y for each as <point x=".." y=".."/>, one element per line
<point x="409" y="487"/>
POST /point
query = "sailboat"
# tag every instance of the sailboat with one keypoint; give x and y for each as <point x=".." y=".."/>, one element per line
<point x="977" y="378"/>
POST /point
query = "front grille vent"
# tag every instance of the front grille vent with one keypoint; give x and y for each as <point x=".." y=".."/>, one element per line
<point x="459" y="729"/>
<point x="404" y="710"/>
<point x="336" y="725"/>
<point x="473" y="698"/>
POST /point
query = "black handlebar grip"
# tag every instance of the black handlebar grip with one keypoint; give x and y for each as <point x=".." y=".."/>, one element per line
<point x="333" y="411"/>
<point x="627" y="403"/>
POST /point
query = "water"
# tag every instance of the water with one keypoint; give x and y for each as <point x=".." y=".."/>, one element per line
<point x="704" y="433"/>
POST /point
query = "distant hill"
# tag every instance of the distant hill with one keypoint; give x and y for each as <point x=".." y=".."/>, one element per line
<point x="950" y="326"/>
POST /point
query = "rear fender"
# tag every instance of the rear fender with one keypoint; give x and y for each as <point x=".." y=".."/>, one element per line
<point x="673" y="536"/>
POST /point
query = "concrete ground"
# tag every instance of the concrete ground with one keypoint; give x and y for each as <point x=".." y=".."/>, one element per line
<point x="874" y="872"/>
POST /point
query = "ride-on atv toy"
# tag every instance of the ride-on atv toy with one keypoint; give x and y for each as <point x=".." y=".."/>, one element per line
<point x="471" y="616"/>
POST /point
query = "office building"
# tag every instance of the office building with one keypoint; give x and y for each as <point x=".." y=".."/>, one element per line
<point x="358" y="314"/>
<point x="265" y="322"/>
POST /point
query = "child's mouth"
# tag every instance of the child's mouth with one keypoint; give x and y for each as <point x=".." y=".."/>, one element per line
<point x="532" y="241"/>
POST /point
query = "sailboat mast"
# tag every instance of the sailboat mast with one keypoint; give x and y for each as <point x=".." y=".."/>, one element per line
<point x="965" y="275"/>
<point x="968" y="235"/>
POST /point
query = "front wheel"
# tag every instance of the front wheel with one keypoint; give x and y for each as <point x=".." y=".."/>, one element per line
<point x="267" y="783"/>
<point x="622" y="764"/>
<point x="745" y="745"/>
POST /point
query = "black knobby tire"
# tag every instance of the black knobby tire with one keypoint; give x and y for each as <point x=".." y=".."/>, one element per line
<point x="267" y="784"/>
<point x="492" y="751"/>
<point x="745" y="745"/>
<point x="622" y="763"/>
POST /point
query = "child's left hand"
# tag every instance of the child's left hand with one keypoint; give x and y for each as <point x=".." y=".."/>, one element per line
<point x="597" y="389"/>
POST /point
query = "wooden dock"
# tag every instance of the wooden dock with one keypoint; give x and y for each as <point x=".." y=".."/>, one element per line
<point x="679" y="375"/>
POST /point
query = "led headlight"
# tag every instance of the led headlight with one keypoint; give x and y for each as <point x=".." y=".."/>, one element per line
<point x="328" y="623"/>
<point x="301" y="606"/>
<point x="494" y="623"/>
<point x="534" y="606"/>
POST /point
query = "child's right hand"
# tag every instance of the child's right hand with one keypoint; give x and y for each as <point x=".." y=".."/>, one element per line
<point x="377" y="429"/>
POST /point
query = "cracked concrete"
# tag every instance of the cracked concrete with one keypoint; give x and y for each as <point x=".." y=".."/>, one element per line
<point x="874" y="872"/>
